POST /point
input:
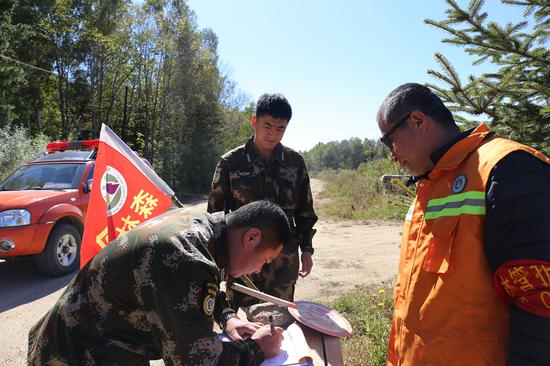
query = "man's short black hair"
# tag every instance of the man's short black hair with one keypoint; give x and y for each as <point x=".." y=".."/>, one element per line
<point x="412" y="97"/>
<point x="274" y="105"/>
<point x="264" y="215"/>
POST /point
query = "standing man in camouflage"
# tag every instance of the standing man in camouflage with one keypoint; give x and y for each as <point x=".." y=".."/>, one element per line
<point x="265" y="169"/>
<point x="154" y="293"/>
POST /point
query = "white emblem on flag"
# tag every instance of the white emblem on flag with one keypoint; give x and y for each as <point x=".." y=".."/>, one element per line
<point x="113" y="190"/>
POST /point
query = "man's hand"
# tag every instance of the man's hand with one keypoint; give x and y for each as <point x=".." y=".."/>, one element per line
<point x="236" y="328"/>
<point x="307" y="264"/>
<point x="269" y="343"/>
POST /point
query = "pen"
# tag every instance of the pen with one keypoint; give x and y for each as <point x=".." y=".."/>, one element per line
<point x="306" y="361"/>
<point x="271" y="325"/>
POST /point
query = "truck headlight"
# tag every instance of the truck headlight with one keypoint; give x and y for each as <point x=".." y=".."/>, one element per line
<point x="15" y="218"/>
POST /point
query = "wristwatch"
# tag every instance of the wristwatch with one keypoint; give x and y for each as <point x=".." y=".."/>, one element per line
<point x="225" y="317"/>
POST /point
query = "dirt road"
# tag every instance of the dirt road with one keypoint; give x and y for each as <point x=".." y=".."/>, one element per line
<point x="348" y="254"/>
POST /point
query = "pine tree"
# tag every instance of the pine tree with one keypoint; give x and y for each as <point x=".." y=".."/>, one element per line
<point x="515" y="98"/>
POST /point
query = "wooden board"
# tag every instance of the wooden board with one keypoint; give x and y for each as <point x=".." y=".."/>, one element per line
<point x="325" y="350"/>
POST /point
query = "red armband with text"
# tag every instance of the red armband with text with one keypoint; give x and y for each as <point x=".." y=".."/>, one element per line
<point x="526" y="284"/>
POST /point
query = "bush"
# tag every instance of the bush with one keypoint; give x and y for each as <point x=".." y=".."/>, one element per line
<point x="17" y="147"/>
<point x="369" y="311"/>
<point x="359" y="194"/>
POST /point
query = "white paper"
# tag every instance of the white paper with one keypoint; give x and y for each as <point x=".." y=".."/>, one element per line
<point x="291" y="348"/>
<point x="288" y="353"/>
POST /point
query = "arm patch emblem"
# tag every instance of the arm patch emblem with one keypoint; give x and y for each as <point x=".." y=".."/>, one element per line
<point x="217" y="174"/>
<point x="210" y="292"/>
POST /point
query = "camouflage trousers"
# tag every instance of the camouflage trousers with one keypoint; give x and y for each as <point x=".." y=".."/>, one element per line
<point x="277" y="278"/>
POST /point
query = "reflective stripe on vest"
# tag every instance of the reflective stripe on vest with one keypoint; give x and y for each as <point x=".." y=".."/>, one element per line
<point x="470" y="203"/>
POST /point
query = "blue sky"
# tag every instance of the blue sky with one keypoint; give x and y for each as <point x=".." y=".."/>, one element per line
<point x="334" y="61"/>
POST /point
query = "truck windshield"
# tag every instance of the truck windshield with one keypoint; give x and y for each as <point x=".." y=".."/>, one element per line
<point x="44" y="176"/>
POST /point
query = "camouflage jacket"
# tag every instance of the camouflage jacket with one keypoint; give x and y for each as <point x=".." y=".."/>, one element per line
<point x="242" y="176"/>
<point x="150" y="294"/>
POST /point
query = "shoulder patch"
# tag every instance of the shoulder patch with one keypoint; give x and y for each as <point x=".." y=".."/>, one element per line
<point x="210" y="291"/>
<point x="217" y="174"/>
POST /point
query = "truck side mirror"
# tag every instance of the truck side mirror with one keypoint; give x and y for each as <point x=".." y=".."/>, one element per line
<point x="88" y="186"/>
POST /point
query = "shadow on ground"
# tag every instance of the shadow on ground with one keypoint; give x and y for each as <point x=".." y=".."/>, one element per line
<point x="21" y="283"/>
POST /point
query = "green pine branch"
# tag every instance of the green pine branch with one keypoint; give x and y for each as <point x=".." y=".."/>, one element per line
<point x="490" y="38"/>
<point x="474" y="7"/>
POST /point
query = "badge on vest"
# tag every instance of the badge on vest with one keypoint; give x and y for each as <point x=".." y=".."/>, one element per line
<point x="209" y="298"/>
<point x="459" y="184"/>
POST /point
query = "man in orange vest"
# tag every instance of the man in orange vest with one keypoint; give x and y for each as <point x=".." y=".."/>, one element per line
<point x="473" y="286"/>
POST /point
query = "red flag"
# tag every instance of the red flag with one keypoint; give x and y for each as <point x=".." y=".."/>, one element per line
<point x="125" y="192"/>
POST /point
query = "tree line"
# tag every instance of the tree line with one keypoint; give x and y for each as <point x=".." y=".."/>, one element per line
<point x="147" y="70"/>
<point x="345" y="154"/>
<point x="143" y="68"/>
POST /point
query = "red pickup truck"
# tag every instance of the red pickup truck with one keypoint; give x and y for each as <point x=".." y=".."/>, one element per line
<point x="43" y="206"/>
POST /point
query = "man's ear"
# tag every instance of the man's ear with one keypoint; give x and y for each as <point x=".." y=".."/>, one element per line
<point x="419" y="120"/>
<point x="253" y="121"/>
<point x="252" y="238"/>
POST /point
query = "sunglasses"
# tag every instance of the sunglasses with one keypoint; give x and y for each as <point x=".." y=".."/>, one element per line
<point x="385" y="139"/>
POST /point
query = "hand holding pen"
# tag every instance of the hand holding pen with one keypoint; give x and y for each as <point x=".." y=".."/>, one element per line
<point x="269" y="338"/>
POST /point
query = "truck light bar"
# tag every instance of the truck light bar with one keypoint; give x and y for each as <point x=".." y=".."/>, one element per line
<point x="72" y="145"/>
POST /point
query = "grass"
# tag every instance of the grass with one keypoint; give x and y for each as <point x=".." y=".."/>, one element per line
<point x="359" y="194"/>
<point x="369" y="311"/>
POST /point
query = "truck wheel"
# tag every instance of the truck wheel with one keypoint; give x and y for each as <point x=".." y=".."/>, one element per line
<point x="62" y="252"/>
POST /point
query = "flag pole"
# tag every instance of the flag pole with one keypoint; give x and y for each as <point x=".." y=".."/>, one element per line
<point x="177" y="201"/>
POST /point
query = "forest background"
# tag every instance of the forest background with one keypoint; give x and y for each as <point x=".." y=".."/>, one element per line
<point x="147" y="70"/>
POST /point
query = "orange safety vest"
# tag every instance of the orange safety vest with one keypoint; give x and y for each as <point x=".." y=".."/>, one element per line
<point x="447" y="311"/>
